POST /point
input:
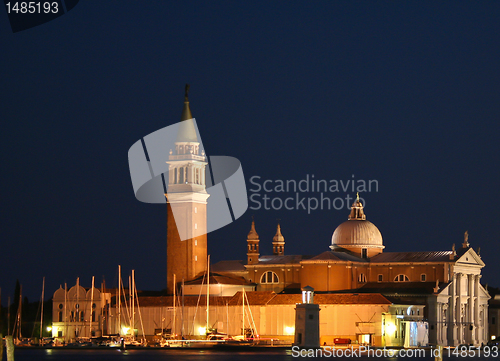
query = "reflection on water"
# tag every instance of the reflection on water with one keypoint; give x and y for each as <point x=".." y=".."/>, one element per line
<point x="191" y="355"/>
<point x="148" y="355"/>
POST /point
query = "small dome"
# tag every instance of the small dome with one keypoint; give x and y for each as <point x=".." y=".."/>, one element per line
<point x="252" y="235"/>
<point x="278" y="237"/>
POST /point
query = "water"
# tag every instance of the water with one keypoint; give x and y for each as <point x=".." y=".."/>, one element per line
<point x="148" y="355"/>
<point x="28" y="354"/>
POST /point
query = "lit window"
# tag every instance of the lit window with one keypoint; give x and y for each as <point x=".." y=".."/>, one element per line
<point x="362" y="278"/>
<point x="401" y="278"/>
<point x="269" y="277"/>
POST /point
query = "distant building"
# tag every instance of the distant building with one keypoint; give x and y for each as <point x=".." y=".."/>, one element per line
<point x="494" y="318"/>
<point x="79" y="313"/>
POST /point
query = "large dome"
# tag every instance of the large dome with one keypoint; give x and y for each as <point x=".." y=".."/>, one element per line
<point x="357" y="233"/>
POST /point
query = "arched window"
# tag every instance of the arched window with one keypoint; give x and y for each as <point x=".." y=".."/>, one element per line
<point x="269" y="277"/>
<point x="60" y="318"/>
<point x="401" y="278"/>
<point x="362" y="278"/>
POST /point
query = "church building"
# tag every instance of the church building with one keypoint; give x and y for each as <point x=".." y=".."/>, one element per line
<point x="401" y="298"/>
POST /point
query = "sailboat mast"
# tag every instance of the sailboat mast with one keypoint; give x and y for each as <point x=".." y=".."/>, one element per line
<point x="243" y="303"/>
<point x="173" y="321"/>
<point x="133" y="303"/>
<point x="91" y="308"/>
<point x="78" y="303"/>
<point x="65" y="311"/>
<point x="182" y="311"/>
<point x="119" y="299"/>
<point x="8" y="316"/>
<point x="41" y="313"/>
<point x="19" y="310"/>
<point x="208" y="292"/>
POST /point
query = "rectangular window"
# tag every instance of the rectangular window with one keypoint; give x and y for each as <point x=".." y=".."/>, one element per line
<point x="364" y="253"/>
<point x="423" y="277"/>
<point x="196" y="258"/>
<point x="380" y="278"/>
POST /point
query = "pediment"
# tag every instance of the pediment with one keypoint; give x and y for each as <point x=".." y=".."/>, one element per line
<point x="470" y="258"/>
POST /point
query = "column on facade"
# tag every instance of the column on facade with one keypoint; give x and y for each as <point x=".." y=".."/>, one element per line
<point x="451" y="312"/>
<point x="444" y="322"/>
<point x="470" y="309"/>
<point x="439" y="324"/>
<point x="458" y="309"/>
<point x="476" y="309"/>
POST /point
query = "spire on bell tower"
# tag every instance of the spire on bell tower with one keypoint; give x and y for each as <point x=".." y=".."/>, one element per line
<point x="186" y="164"/>
<point x="278" y="242"/>
<point x="253" y="245"/>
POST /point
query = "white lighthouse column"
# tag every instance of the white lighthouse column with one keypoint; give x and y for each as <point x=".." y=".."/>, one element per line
<point x="307" y="321"/>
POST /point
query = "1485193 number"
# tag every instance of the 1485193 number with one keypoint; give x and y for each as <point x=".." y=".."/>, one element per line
<point x="32" y="7"/>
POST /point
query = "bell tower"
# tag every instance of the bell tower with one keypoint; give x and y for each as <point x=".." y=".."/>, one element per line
<point x="253" y="245"/>
<point x="186" y="204"/>
<point x="278" y="242"/>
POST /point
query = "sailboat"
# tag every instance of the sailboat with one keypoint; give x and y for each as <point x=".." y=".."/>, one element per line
<point x="249" y="336"/>
<point x="131" y="341"/>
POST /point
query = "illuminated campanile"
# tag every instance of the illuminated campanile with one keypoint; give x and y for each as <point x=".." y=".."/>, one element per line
<point x="186" y="203"/>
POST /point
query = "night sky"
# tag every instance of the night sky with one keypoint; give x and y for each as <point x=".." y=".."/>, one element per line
<point x="404" y="93"/>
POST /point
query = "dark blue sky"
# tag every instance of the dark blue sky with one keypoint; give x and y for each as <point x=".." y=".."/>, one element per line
<point x="403" y="93"/>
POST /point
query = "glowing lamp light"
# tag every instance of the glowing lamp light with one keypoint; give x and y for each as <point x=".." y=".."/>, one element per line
<point x="202" y="330"/>
<point x="49" y="328"/>
<point x="391" y="328"/>
<point x="289" y="330"/>
<point x="125" y="330"/>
